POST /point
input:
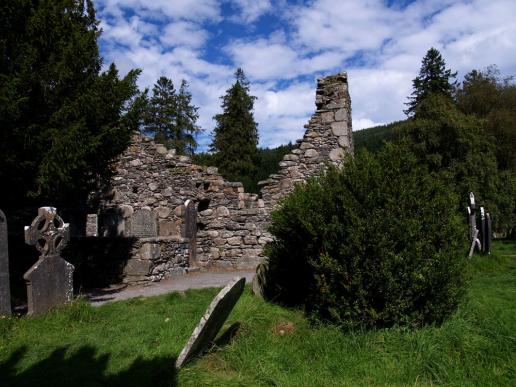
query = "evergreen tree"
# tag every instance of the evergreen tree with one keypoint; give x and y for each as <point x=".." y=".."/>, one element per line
<point x="488" y="96"/>
<point x="186" y="121"/>
<point x="62" y="120"/>
<point x="433" y="78"/>
<point x="161" y="112"/>
<point x="236" y="134"/>
<point x="172" y="117"/>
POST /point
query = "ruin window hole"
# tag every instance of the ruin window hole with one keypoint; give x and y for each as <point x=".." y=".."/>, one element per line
<point x="197" y="185"/>
<point x="201" y="226"/>
<point x="203" y="205"/>
<point x="135" y="189"/>
<point x="206" y="186"/>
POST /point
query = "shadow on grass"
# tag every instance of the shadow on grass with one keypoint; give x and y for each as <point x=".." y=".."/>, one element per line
<point x="228" y="335"/>
<point x="84" y="367"/>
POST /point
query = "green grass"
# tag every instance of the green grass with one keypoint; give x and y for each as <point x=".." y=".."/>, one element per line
<point x="136" y="343"/>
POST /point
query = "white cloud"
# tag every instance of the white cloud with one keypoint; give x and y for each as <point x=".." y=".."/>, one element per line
<point x="381" y="47"/>
<point x="198" y="10"/>
<point x="184" y="33"/>
<point x="266" y="59"/>
<point x="251" y="10"/>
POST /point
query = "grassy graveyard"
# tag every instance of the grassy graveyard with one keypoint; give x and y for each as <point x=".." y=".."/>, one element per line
<point x="136" y="342"/>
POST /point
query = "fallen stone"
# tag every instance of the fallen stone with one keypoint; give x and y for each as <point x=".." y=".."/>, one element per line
<point x="210" y="324"/>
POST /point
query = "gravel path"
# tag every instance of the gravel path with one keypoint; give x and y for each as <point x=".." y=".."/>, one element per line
<point x="194" y="280"/>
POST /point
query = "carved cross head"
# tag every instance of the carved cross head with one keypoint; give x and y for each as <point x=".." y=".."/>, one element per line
<point x="47" y="232"/>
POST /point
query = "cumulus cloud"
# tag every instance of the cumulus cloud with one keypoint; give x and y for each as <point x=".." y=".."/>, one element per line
<point x="379" y="43"/>
<point x="251" y="10"/>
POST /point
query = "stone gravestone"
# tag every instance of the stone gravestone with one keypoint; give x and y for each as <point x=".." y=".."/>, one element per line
<point x="50" y="279"/>
<point x="92" y="225"/>
<point x="190" y="231"/>
<point x="483" y="229"/>
<point x="473" y="230"/>
<point x="5" y="291"/>
<point x="210" y="324"/>
<point x="472" y="215"/>
<point x="143" y="224"/>
<point x="489" y="233"/>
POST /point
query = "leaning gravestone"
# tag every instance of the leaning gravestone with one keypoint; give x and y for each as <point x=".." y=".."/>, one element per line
<point x="210" y="324"/>
<point x="50" y="279"/>
<point x="143" y="224"/>
<point x="5" y="291"/>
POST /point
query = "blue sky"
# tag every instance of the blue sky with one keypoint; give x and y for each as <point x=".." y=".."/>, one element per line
<point x="284" y="45"/>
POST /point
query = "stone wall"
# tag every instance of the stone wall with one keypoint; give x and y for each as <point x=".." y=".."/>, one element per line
<point x="327" y="139"/>
<point x="157" y="194"/>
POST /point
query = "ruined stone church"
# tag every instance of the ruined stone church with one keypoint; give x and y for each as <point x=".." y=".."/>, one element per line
<point x="184" y="217"/>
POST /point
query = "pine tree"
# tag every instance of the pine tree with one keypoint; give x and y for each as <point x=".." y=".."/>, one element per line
<point x="433" y="78"/>
<point x="172" y="117"/>
<point x="186" y="121"/>
<point x="236" y="133"/>
<point x="62" y="120"/>
<point x="161" y="113"/>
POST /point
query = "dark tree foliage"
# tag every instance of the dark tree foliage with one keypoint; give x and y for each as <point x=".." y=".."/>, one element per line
<point x="267" y="163"/>
<point x="171" y="116"/>
<point x="488" y="96"/>
<point x="374" y="244"/>
<point x="374" y="139"/>
<point x="492" y="98"/>
<point x="236" y="134"/>
<point x="433" y="78"/>
<point x="62" y="120"/>
<point x="456" y="149"/>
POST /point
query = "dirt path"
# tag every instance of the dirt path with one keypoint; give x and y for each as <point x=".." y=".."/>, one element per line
<point x="195" y="280"/>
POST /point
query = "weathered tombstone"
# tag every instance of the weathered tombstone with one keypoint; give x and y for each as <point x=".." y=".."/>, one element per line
<point x="5" y="290"/>
<point x="143" y="224"/>
<point x="190" y="231"/>
<point x="472" y="215"/>
<point x="50" y="279"/>
<point x="483" y="229"/>
<point x="210" y="324"/>
<point x="92" y="225"/>
<point x="489" y="233"/>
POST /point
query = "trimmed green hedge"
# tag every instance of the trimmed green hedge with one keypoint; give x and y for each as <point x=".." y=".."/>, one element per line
<point x="374" y="244"/>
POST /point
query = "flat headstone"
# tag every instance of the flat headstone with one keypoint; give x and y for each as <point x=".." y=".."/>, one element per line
<point x="50" y="279"/>
<point x="5" y="291"/>
<point x="489" y="233"/>
<point x="143" y="224"/>
<point x="210" y="324"/>
<point x="49" y="283"/>
<point x="190" y="231"/>
<point x="190" y="216"/>
<point x="92" y="225"/>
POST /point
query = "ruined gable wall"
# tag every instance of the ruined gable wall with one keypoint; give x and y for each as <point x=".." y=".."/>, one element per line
<point x="327" y="139"/>
<point x="153" y="183"/>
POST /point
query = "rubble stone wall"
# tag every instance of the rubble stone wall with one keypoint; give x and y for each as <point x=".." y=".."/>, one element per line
<point x="152" y="185"/>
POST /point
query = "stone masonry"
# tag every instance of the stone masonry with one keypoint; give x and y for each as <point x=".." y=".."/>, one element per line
<point x="156" y="196"/>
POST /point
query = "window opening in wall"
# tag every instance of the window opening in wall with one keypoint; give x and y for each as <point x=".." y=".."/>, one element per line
<point x="201" y="226"/>
<point x="135" y="189"/>
<point x="206" y="186"/>
<point x="203" y="205"/>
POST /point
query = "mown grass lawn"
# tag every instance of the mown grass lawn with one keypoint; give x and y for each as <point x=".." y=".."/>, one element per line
<point x="136" y="342"/>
